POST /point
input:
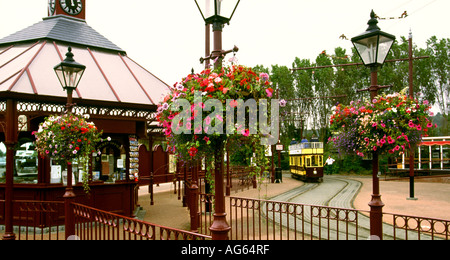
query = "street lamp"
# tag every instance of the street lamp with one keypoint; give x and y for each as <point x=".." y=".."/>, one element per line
<point x="218" y="13"/>
<point x="373" y="47"/>
<point x="69" y="73"/>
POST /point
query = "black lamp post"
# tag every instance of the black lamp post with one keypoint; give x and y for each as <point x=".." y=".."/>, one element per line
<point x="373" y="47"/>
<point x="218" y="13"/>
<point x="69" y="73"/>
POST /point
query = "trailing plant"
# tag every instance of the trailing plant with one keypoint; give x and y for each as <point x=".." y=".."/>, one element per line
<point x="67" y="137"/>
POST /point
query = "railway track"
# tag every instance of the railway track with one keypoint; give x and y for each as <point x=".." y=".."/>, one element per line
<point x="334" y="192"/>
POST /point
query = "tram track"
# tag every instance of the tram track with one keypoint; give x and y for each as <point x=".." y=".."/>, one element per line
<point x="333" y="192"/>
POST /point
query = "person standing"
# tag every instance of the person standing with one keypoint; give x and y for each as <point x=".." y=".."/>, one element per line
<point x="330" y="165"/>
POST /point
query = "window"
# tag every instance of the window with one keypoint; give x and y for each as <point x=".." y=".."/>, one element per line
<point x="110" y="164"/>
<point x="26" y="163"/>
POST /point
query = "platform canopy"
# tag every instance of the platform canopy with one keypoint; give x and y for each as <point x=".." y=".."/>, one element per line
<point x="27" y="59"/>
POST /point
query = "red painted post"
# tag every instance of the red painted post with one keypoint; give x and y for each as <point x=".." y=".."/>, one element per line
<point x="219" y="228"/>
<point x="10" y="143"/>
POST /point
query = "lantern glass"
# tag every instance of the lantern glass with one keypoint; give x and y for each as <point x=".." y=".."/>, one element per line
<point x="373" y="45"/>
<point x="213" y="10"/>
<point x="69" y="72"/>
<point x="374" y="50"/>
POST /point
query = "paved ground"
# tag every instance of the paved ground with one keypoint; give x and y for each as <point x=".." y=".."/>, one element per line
<point x="433" y="198"/>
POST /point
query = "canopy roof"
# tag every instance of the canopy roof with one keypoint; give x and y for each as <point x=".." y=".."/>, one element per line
<point x="27" y="59"/>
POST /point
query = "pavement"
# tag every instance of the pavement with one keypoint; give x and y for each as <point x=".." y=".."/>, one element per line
<point x="433" y="198"/>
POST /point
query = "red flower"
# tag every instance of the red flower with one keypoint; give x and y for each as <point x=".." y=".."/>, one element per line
<point x="62" y="128"/>
<point x="193" y="151"/>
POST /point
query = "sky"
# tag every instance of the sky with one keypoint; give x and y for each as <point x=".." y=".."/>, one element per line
<point x="167" y="37"/>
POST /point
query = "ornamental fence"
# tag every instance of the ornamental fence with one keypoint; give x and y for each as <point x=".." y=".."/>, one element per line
<point x="255" y="219"/>
<point x="249" y="219"/>
<point x="39" y="220"/>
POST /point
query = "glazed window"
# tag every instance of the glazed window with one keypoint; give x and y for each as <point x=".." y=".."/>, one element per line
<point x="26" y="163"/>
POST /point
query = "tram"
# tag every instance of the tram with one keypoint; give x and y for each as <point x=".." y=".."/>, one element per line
<point x="306" y="161"/>
<point x="431" y="156"/>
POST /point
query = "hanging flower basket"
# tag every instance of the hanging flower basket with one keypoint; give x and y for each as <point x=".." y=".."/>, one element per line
<point x="194" y="138"/>
<point x="389" y="124"/>
<point x="67" y="137"/>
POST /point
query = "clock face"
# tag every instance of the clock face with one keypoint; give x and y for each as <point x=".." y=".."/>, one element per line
<point x="51" y="7"/>
<point x="72" y="7"/>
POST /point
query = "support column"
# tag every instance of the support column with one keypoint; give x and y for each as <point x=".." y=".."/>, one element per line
<point x="219" y="228"/>
<point x="376" y="205"/>
<point x="10" y="143"/>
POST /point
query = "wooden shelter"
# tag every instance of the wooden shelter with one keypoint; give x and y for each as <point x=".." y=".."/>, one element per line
<point x="118" y="95"/>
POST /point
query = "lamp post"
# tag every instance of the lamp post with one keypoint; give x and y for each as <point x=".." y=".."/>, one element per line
<point x="373" y="47"/>
<point x="69" y="74"/>
<point x="218" y="13"/>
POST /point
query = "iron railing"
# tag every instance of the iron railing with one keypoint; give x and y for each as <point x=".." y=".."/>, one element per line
<point x="255" y="219"/>
<point x="249" y="219"/>
<point x="94" y="224"/>
<point x="37" y="220"/>
<point x="45" y="220"/>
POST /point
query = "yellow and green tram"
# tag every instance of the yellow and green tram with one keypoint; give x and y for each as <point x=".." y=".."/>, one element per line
<point x="306" y="161"/>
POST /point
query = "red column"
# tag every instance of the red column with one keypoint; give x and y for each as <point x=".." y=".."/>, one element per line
<point x="219" y="228"/>
<point x="10" y="143"/>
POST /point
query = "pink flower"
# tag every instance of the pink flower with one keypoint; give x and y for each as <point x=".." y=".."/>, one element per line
<point x="429" y="125"/>
<point x="188" y="125"/>
<point x="264" y="76"/>
<point x="418" y="127"/>
<point x="245" y="132"/>
<point x="220" y="118"/>
<point x="269" y="92"/>
<point x="390" y="140"/>
<point x="411" y="124"/>
<point x="198" y="130"/>
<point x="233" y="103"/>
<point x="208" y="120"/>
<point x="218" y="80"/>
